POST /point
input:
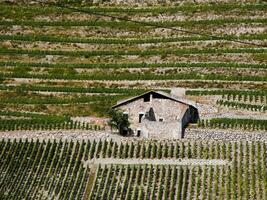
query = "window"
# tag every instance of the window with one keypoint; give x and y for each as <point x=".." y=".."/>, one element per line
<point x="161" y="119"/>
<point x="147" y="98"/>
<point x="140" y="117"/>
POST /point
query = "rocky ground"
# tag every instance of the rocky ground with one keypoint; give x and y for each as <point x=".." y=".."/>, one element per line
<point x="133" y="161"/>
<point x="208" y="108"/>
<point x="227" y="135"/>
<point x="191" y="134"/>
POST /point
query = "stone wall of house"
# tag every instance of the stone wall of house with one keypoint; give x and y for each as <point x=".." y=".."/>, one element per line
<point x="162" y="130"/>
<point x="169" y="110"/>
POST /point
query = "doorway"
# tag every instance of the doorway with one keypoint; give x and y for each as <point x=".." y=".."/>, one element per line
<point x="138" y="133"/>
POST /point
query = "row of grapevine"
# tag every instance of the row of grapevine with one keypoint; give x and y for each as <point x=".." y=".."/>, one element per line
<point x="102" y="90"/>
<point x="41" y="170"/>
<point x="15" y="125"/>
<point x="46" y="38"/>
<point x="183" y="51"/>
<point x="138" y="182"/>
<point x="102" y="75"/>
<point x="187" y="8"/>
<point x="129" y="24"/>
<point x="234" y="123"/>
<point x="71" y="89"/>
<point x="59" y="100"/>
<point x="255" y="98"/>
<point x="154" y="150"/>
<point x="243" y="178"/>
<point x="55" y="169"/>
<point x="133" y="65"/>
<point x="159" y="150"/>
<point x="36" y="121"/>
<point x="237" y="105"/>
<point x="51" y="118"/>
<point x="234" y="94"/>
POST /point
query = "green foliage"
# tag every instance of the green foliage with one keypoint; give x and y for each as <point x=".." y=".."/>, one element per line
<point x="46" y="163"/>
<point x="132" y="25"/>
<point x="233" y="104"/>
<point x="61" y="169"/>
<point x="128" y="41"/>
<point x="235" y="123"/>
<point x="102" y="56"/>
<point x="1" y="78"/>
<point x="35" y="121"/>
<point x="102" y="75"/>
<point x="119" y="120"/>
<point x="103" y="90"/>
<point x="227" y="92"/>
<point x="30" y="11"/>
<point x="132" y="65"/>
<point x="58" y="100"/>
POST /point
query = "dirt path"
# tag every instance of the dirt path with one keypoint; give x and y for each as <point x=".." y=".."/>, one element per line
<point x="134" y="161"/>
<point x="90" y="182"/>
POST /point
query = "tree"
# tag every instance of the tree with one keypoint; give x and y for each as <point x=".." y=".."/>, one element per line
<point x="119" y="121"/>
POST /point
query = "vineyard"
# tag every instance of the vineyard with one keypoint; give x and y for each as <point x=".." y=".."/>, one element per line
<point x="56" y="169"/>
<point x="57" y="64"/>
<point x="65" y="63"/>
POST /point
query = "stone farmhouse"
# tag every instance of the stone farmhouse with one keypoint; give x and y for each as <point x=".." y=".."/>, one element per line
<point x="157" y="114"/>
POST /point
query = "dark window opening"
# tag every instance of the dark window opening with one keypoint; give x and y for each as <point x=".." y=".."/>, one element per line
<point x="140" y="117"/>
<point x="138" y="133"/>
<point x="147" y="98"/>
<point x="124" y="132"/>
<point x="161" y="119"/>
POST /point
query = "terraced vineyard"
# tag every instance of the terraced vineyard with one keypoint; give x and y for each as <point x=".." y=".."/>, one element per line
<point x="67" y="63"/>
<point x="56" y="169"/>
<point x="64" y="63"/>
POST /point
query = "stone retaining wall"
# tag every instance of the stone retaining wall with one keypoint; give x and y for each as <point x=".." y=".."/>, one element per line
<point x="228" y="135"/>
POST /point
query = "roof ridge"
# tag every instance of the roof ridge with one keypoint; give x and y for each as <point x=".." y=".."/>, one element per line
<point x="168" y="95"/>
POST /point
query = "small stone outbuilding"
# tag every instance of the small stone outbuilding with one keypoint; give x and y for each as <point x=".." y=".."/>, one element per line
<point x="157" y="114"/>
